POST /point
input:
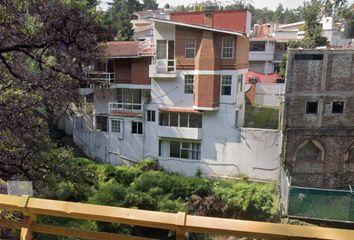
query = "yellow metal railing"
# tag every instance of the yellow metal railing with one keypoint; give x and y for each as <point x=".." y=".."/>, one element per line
<point x="180" y="222"/>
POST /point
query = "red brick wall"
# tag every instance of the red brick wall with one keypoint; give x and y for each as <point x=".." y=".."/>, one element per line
<point x="140" y="71"/>
<point x="207" y="91"/>
<point x="122" y="70"/>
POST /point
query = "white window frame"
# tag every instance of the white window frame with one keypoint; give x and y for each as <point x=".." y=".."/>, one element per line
<point x="137" y="129"/>
<point x="187" y="85"/>
<point x="222" y="84"/>
<point x="111" y="128"/>
<point x="194" y="149"/>
<point x="223" y="48"/>
<point x="187" y="47"/>
<point x="179" y="120"/>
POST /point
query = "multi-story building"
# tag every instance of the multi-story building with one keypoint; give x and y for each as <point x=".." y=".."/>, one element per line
<point x="178" y="98"/>
<point x="318" y="118"/>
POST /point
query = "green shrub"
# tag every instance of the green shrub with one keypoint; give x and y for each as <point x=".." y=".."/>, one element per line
<point x="147" y="164"/>
<point x="185" y="187"/>
<point x="152" y="179"/>
<point x="126" y="174"/>
<point x="140" y="200"/>
<point x="168" y="205"/>
<point x="110" y="193"/>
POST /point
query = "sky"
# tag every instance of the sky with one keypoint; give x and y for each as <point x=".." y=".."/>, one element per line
<point x="271" y="4"/>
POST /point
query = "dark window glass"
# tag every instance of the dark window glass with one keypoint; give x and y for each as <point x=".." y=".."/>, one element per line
<point x="150" y="116"/>
<point x="337" y="107"/>
<point x="175" y="149"/>
<point x="257" y="46"/>
<point x="195" y="120"/>
<point x="101" y="123"/>
<point x="183" y="120"/>
<point x="311" y="107"/>
<point x="163" y="119"/>
<point x="137" y="128"/>
<point x="308" y="56"/>
<point x="174" y="119"/>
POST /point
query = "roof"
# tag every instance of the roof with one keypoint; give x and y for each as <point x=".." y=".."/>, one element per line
<point x="203" y="27"/>
<point x="232" y="20"/>
<point x="179" y="110"/>
<point x="119" y="49"/>
<point x="292" y="24"/>
<point x="262" y="78"/>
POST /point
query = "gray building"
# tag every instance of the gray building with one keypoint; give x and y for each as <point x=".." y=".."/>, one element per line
<point x="318" y="123"/>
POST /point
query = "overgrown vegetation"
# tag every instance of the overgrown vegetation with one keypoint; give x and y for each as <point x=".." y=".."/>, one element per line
<point x="144" y="186"/>
<point x="261" y="117"/>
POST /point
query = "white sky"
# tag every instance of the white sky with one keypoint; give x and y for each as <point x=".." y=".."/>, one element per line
<point x="271" y="4"/>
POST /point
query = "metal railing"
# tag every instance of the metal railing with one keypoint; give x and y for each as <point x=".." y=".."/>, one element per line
<point x="180" y="222"/>
<point x="100" y="76"/>
<point x="115" y="106"/>
<point x="146" y="47"/>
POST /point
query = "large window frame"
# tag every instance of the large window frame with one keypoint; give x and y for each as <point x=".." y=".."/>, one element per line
<point x="228" y="46"/>
<point x="180" y="119"/>
<point x="129" y="99"/>
<point x="182" y="149"/>
<point x="226" y="85"/>
<point x="137" y="127"/>
<point x="115" y="125"/>
<point x="189" y="48"/>
<point x="188" y="84"/>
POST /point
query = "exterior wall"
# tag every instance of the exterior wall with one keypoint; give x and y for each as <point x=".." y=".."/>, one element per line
<point x="332" y="134"/>
<point x="140" y="71"/>
<point x="122" y="70"/>
<point x="231" y="154"/>
<point x="269" y="94"/>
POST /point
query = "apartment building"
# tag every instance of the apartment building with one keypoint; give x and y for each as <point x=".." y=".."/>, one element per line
<point x="178" y="97"/>
<point x="318" y="148"/>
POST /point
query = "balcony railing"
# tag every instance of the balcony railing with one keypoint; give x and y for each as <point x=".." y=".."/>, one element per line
<point x="106" y="77"/>
<point x="115" y="107"/>
<point x="180" y="222"/>
<point x="163" y="68"/>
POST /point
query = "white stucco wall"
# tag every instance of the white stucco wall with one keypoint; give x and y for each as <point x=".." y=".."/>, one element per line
<point x="270" y="94"/>
<point x="255" y="155"/>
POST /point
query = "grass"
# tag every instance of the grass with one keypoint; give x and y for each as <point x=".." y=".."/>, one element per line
<point x="261" y="117"/>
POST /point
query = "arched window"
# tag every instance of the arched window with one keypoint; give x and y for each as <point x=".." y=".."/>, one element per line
<point x="310" y="150"/>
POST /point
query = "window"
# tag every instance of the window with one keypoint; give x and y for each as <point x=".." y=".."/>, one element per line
<point x="173" y="119"/>
<point x="189" y="48"/>
<point x="227" y="48"/>
<point x="150" y="116"/>
<point x="257" y="46"/>
<point x="101" y="123"/>
<point x="116" y="125"/>
<point x="189" y="84"/>
<point x="240" y="83"/>
<point x="337" y="107"/>
<point x="129" y="99"/>
<point x="181" y="149"/>
<point x="137" y="128"/>
<point x="226" y="83"/>
<point x="311" y="107"/>
<point x="277" y="67"/>
<point x="308" y="56"/>
<point x="161" y="49"/>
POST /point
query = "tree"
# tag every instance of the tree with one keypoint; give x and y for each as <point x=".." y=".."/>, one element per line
<point x="167" y="6"/>
<point x="150" y="4"/>
<point x="43" y="46"/>
<point x="279" y="14"/>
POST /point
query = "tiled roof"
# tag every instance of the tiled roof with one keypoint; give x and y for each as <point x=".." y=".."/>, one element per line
<point x="127" y="114"/>
<point x="121" y="49"/>
<point x="179" y="109"/>
<point x="262" y="78"/>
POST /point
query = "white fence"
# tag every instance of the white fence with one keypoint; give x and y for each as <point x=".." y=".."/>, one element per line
<point x="269" y="94"/>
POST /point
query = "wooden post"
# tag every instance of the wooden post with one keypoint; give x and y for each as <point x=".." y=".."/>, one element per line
<point x="180" y="225"/>
<point x="26" y="233"/>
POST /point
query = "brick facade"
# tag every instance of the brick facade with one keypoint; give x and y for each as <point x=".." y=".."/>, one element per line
<point x="132" y="71"/>
<point x="316" y="145"/>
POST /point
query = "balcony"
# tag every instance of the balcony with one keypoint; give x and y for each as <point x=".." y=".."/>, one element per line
<point x="103" y="77"/>
<point x="180" y="132"/>
<point x="180" y="222"/>
<point x="261" y="56"/>
<point x="163" y="68"/>
<point x="114" y="107"/>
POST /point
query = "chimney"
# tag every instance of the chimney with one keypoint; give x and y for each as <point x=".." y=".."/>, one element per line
<point x="208" y="18"/>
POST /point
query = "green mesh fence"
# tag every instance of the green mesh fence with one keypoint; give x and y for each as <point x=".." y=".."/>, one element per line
<point x="321" y="204"/>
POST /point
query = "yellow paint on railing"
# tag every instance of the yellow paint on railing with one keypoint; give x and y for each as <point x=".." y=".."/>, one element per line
<point x="180" y="222"/>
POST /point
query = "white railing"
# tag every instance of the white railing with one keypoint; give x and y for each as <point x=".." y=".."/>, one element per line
<point x="115" y="106"/>
<point x="100" y="76"/>
<point x="165" y="65"/>
<point x="146" y="47"/>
